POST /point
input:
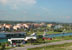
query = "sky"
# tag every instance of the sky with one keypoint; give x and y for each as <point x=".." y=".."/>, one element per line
<point x="36" y="10"/>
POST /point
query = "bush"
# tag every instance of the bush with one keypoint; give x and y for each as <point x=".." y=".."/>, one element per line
<point x="58" y="30"/>
<point x="40" y="36"/>
<point x="32" y="41"/>
<point x="3" y="47"/>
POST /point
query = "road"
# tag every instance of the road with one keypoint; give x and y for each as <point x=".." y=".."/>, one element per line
<point x="41" y="45"/>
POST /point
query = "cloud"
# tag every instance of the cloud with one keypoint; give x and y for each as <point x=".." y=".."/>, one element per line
<point x="15" y="3"/>
<point x="29" y="1"/>
<point x="3" y="1"/>
<point x="14" y="7"/>
<point x="18" y="1"/>
<point x="45" y="9"/>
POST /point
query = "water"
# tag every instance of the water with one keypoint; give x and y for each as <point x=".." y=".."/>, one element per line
<point x="3" y="40"/>
<point x="5" y="35"/>
<point x="58" y="35"/>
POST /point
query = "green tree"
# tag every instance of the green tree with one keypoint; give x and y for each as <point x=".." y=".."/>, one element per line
<point x="3" y="47"/>
<point x="30" y="40"/>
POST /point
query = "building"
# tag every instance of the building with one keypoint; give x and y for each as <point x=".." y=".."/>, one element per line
<point x="50" y="25"/>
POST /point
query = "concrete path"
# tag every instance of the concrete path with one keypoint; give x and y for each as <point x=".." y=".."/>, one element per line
<point x="41" y="45"/>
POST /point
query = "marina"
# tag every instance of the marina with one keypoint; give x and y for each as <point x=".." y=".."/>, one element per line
<point x="5" y="36"/>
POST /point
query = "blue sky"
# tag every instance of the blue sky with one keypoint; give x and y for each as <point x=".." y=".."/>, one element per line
<point x="36" y="10"/>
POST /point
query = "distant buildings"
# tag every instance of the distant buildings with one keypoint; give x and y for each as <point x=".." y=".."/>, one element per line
<point x="58" y="26"/>
<point x="5" y="27"/>
<point x="27" y="26"/>
<point x="49" y="25"/>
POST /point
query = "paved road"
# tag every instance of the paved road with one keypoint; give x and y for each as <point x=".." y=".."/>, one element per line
<point x="41" y="45"/>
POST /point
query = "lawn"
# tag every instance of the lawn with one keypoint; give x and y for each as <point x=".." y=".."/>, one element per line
<point x="41" y="33"/>
<point x="59" y="39"/>
<point x="68" y="31"/>
<point x="40" y="41"/>
<point x="49" y="32"/>
<point x="66" y="46"/>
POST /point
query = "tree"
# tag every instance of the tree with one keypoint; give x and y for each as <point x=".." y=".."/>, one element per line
<point x="3" y="47"/>
<point x="30" y="40"/>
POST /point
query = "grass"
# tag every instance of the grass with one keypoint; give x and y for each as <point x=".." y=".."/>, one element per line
<point x="66" y="46"/>
<point x="68" y="31"/>
<point x="49" y="32"/>
<point x="7" y="48"/>
<point x="64" y="38"/>
<point x="41" y="33"/>
<point x="60" y="39"/>
<point x="53" y="40"/>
